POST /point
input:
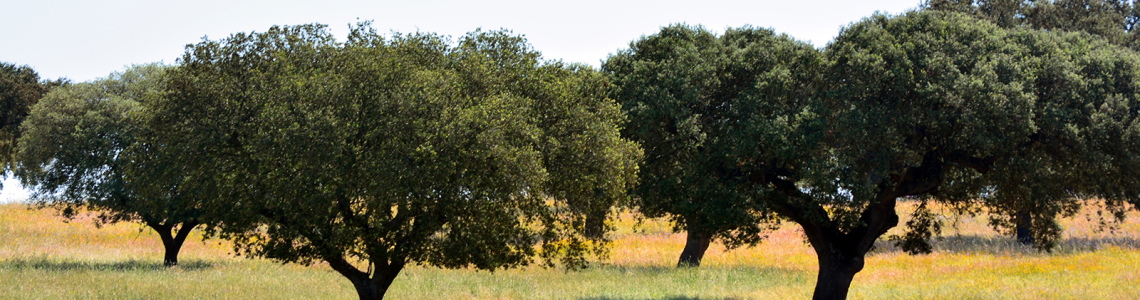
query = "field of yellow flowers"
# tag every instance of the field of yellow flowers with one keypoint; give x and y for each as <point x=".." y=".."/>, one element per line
<point x="43" y="257"/>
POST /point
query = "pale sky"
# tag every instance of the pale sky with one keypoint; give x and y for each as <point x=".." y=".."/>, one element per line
<point x="84" y="40"/>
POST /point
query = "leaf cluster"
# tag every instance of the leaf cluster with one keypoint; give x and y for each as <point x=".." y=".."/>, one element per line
<point x="20" y="89"/>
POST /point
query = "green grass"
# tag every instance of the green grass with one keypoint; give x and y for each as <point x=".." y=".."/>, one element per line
<point x="42" y="257"/>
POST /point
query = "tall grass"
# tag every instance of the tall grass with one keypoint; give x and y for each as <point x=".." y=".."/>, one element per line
<point x="42" y="257"/>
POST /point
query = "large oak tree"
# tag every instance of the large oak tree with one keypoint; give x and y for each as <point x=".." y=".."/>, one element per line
<point x="382" y="152"/>
<point x="1113" y="20"/>
<point x="935" y="105"/>
<point x="954" y="109"/>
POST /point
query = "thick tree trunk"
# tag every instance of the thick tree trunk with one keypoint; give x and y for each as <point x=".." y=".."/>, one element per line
<point x="1024" y="223"/>
<point x="695" y="245"/>
<point x="172" y="241"/>
<point x="368" y="286"/>
<point x="835" y="276"/>
<point x="367" y="289"/>
<point x="841" y="254"/>
<point x="596" y="224"/>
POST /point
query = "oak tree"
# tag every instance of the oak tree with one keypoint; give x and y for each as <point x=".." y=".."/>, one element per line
<point x="1112" y="20"/>
<point x="687" y="91"/>
<point x="81" y="141"/>
<point x="935" y="105"/>
<point x="385" y="151"/>
<point x="949" y="108"/>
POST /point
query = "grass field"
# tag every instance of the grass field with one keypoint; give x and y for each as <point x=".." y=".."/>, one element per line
<point x="42" y="257"/>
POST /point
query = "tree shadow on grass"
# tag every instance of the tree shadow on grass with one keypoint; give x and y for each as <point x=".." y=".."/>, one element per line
<point x="1006" y="245"/>
<point x="776" y="277"/>
<point x="658" y="270"/>
<point x="662" y="298"/>
<point x="115" y="266"/>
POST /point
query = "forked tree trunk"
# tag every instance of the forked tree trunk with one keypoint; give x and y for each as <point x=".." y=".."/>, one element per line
<point x="841" y="254"/>
<point x="1024" y="224"/>
<point x="696" y="243"/>
<point x="172" y="241"/>
<point x="368" y="287"/>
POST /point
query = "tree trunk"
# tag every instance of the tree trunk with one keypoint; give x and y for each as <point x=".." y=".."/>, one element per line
<point x="368" y="287"/>
<point x="172" y="241"/>
<point x="1024" y="223"/>
<point x="596" y="224"/>
<point x="835" y="276"/>
<point x="695" y="245"/>
<point x="841" y="254"/>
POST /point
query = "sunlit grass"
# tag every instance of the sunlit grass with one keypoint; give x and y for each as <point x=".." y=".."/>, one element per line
<point x="43" y="257"/>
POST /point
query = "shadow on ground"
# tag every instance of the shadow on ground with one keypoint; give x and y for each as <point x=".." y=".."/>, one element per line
<point x="127" y="265"/>
<point x="663" y="298"/>
<point x="657" y="270"/>
<point x="1005" y="245"/>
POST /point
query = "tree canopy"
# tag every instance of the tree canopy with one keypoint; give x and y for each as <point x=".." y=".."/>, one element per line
<point x="80" y="143"/>
<point x="397" y="150"/>
<point x="20" y="89"/>
<point x="949" y="108"/>
<point x="1111" y="19"/>
<point x="935" y="105"/>
<point x="694" y="99"/>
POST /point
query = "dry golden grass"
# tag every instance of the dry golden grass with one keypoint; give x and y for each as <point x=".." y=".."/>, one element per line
<point x="43" y="257"/>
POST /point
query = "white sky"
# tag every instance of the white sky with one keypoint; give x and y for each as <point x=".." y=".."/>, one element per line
<point x="84" y="40"/>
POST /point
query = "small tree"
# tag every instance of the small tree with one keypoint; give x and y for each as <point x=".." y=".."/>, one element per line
<point x="383" y="152"/>
<point x="687" y="91"/>
<point x="79" y="143"/>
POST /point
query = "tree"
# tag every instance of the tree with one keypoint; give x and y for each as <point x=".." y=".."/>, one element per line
<point x="686" y="91"/>
<point x="382" y="152"/>
<point x="948" y="108"/>
<point x="1111" y="19"/>
<point x="935" y="105"/>
<point x="20" y="89"/>
<point x="79" y="144"/>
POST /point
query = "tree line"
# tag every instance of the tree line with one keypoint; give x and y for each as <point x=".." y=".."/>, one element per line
<point x="388" y="150"/>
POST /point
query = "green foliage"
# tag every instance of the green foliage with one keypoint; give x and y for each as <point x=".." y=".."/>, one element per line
<point x="81" y="143"/>
<point x="1111" y="19"/>
<point x="923" y="93"/>
<point x="396" y="150"/>
<point x="929" y="104"/>
<point x="1032" y="120"/>
<point x="20" y="89"/>
<point x="74" y="143"/>
<point x="695" y="100"/>
<point x="922" y="225"/>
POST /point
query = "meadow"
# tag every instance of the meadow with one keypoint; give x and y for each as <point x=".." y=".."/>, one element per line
<point x="43" y="257"/>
